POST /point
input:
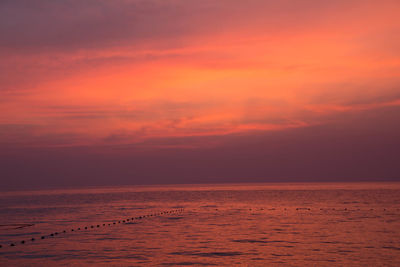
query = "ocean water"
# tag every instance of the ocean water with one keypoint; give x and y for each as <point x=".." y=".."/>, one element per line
<point x="224" y="225"/>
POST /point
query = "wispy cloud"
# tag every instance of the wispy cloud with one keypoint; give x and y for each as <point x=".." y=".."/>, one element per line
<point x="123" y="72"/>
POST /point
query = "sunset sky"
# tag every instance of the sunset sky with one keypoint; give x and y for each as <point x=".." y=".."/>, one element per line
<point x="110" y="92"/>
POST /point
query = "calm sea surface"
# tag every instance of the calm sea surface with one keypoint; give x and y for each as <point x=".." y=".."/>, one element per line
<point x="248" y="224"/>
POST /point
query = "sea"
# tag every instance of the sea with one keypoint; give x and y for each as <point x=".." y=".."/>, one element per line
<point x="282" y="224"/>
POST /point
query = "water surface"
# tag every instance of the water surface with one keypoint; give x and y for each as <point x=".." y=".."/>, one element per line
<point x="247" y="224"/>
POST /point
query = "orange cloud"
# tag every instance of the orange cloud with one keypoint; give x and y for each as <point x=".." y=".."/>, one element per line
<point x="248" y="76"/>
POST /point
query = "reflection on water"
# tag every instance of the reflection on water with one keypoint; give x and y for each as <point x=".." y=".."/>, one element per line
<point x="255" y="224"/>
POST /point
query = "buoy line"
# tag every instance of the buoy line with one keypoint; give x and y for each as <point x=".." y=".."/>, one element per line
<point x="116" y="222"/>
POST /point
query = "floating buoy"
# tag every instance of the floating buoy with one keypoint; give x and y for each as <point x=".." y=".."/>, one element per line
<point x="109" y="224"/>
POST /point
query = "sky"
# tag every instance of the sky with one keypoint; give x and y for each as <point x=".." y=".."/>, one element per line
<point x="114" y="92"/>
